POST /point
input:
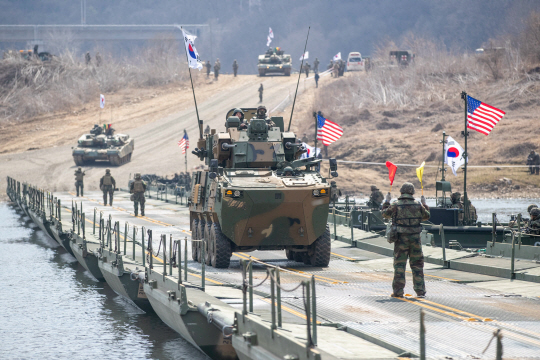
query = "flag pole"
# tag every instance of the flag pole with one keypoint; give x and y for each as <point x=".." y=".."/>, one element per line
<point x="466" y="156"/>
<point x="443" y="154"/>
<point x="193" y="90"/>
<point x="299" y="73"/>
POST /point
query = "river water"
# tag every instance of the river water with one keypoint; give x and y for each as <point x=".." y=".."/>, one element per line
<point x="50" y="307"/>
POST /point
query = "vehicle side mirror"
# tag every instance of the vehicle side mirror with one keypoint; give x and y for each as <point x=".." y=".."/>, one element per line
<point x="333" y="167"/>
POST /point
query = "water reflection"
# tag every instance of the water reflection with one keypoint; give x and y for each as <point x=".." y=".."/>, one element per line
<point x="51" y="307"/>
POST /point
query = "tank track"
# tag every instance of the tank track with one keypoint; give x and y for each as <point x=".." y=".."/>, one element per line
<point x="115" y="160"/>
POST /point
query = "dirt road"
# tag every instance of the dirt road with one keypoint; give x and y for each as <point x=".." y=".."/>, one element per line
<point x="156" y="149"/>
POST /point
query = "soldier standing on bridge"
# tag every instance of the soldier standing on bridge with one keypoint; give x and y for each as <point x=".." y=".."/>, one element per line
<point x="208" y="68"/>
<point x="217" y="67"/>
<point x="79" y="178"/>
<point x="137" y="188"/>
<point x="235" y="67"/>
<point x="316" y="65"/>
<point x="407" y="214"/>
<point x="107" y="184"/>
<point x="376" y="198"/>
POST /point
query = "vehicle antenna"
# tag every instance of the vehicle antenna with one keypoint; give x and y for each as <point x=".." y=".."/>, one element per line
<point x="298" y="82"/>
<point x="199" y="121"/>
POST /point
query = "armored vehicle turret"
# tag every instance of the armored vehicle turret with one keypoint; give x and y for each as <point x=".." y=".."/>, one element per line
<point x="103" y="145"/>
<point x="257" y="194"/>
<point x="274" y="61"/>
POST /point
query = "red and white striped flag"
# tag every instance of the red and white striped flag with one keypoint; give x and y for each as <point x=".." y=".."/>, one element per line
<point x="328" y="131"/>
<point x="482" y="117"/>
<point x="184" y="143"/>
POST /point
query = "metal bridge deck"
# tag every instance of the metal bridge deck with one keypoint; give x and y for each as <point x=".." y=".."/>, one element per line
<point x="462" y="309"/>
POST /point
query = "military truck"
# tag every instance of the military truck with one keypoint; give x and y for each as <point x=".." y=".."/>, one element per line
<point x="401" y="57"/>
<point x="256" y="194"/>
<point x="274" y="61"/>
<point x="103" y="145"/>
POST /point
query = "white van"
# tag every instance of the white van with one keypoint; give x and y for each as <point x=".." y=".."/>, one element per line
<point x="355" y="62"/>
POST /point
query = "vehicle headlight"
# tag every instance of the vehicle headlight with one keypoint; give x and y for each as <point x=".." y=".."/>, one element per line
<point x="237" y="193"/>
<point x="315" y="192"/>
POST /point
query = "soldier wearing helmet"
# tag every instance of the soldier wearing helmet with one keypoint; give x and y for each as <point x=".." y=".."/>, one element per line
<point x="107" y="184"/>
<point x="235" y="67"/>
<point x="261" y="89"/>
<point x="240" y="114"/>
<point x="79" y="181"/>
<point x="457" y="204"/>
<point x="261" y="114"/>
<point x="534" y="222"/>
<point x="530" y="207"/>
<point x="376" y="198"/>
<point x="407" y="214"/>
<point x="473" y="216"/>
<point x="137" y="188"/>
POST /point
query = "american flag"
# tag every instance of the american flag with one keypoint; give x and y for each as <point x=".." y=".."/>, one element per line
<point x="482" y="117"/>
<point x="327" y="131"/>
<point x="184" y="143"/>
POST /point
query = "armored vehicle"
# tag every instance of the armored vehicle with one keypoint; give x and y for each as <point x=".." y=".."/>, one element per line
<point x="401" y="57"/>
<point x="256" y="194"/>
<point x="274" y="61"/>
<point x="103" y="145"/>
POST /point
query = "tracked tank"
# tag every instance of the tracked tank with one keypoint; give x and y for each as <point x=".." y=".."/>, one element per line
<point x="274" y="61"/>
<point x="257" y="194"/>
<point x="103" y="145"/>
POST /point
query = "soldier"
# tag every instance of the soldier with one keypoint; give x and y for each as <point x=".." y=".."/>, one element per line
<point x="110" y="131"/>
<point x="261" y="114"/>
<point x="107" y="184"/>
<point x="87" y="58"/>
<point x="534" y="222"/>
<point x="207" y="130"/>
<point x="317" y="79"/>
<point x="407" y="214"/>
<point x="316" y="65"/>
<point x="98" y="59"/>
<point x="305" y="138"/>
<point x="217" y="67"/>
<point x="335" y="71"/>
<point x="473" y="217"/>
<point x="96" y="130"/>
<point x="79" y="178"/>
<point x="530" y="207"/>
<point x="376" y="198"/>
<point x="457" y="204"/>
<point x="235" y="67"/>
<point x="533" y="160"/>
<point x="261" y="93"/>
<point x="208" y="68"/>
<point x="137" y="188"/>
<point x="240" y="114"/>
<point x="330" y="66"/>
<point x="341" y="67"/>
<point x="306" y="68"/>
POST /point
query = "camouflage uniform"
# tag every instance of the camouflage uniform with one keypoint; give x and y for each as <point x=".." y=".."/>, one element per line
<point x="533" y="160"/>
<point x="457" y="204"/>
<point x="260" y="93"/>
<point x="408" y="214"/>
<point x="208" y="68"/>
<point x="473" y="217"/>
<point x="79" y="178"/>
<point x="306" y="68"/>
<point x="217" y="67"/>
<point x="262" y="115"/>
<point x="235" y="67"/>
<point x="376" y="198"/>
<point x="316" y="65"/>
<point x="107" y="184"/>
<point x="534" y="222"/>
<point x="137" y="188"/>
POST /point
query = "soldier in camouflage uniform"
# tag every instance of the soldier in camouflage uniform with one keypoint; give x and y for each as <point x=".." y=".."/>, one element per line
<point x="79" y="178"/>
<point x="407" y="214"/>
<point x="107" y="184"/>
<point x="137" y="188"/>
<point x="534" y="222"/>
<point x="457" y="204"/>
<point x="530" y="207"/>
<point x="261" y="114"/>
<point x="473" y="217"/>
<point x="316" y="65"/>
<point x="235" y="67"/>
<point x="376" y="198"/>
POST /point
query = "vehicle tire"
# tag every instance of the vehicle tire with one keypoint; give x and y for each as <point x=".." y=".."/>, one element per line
<point x="194" y="236"/>
<point x="207" y="244"/>
<point x="306" y="259"/>
<point x="319" y="251"/>
<point x="219" y="248"/>
<point x="200" y="232"/>
<point x="298" y="256"/>
<point x="289" y="254"/>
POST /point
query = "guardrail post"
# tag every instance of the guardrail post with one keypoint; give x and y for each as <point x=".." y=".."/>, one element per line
<point x="272" y="299"/>
<point x="519" y="233"/>
<point x="179" y="260"/>
<point x="164" y="240"/>
<point x="117" y="237"/>
<point x="308" y="313"/>
<point x="314" y="310"/>
<point x="278" y="293"/>
<point x="109" y="240"/>
<point x="244" y="292"/>
<point x="126" y="225"/>
<point x="203" y="263"/>
<point x="443" y="243"/>
<point x="352" y="227"/>
<point x="59" y="210"/>
<point x="250" y="281"/>
<point x="78" y="222"/>
<point x="493" y="228"/>
<point x="335" y="225"/>
<point x="150" y="248"/>
<point x="185" y="259"/>
<point x="170" y="255"/>
<point x="142" y="245"/>
<point x="134" y="234"/>
<point x="95" y="210"/>
<point x="83" y="220"/>
<point x="499" y="351"/>
<point x="513" y="258"/>
<point x="73" y="215"/>
<point x="422" y="336"/>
